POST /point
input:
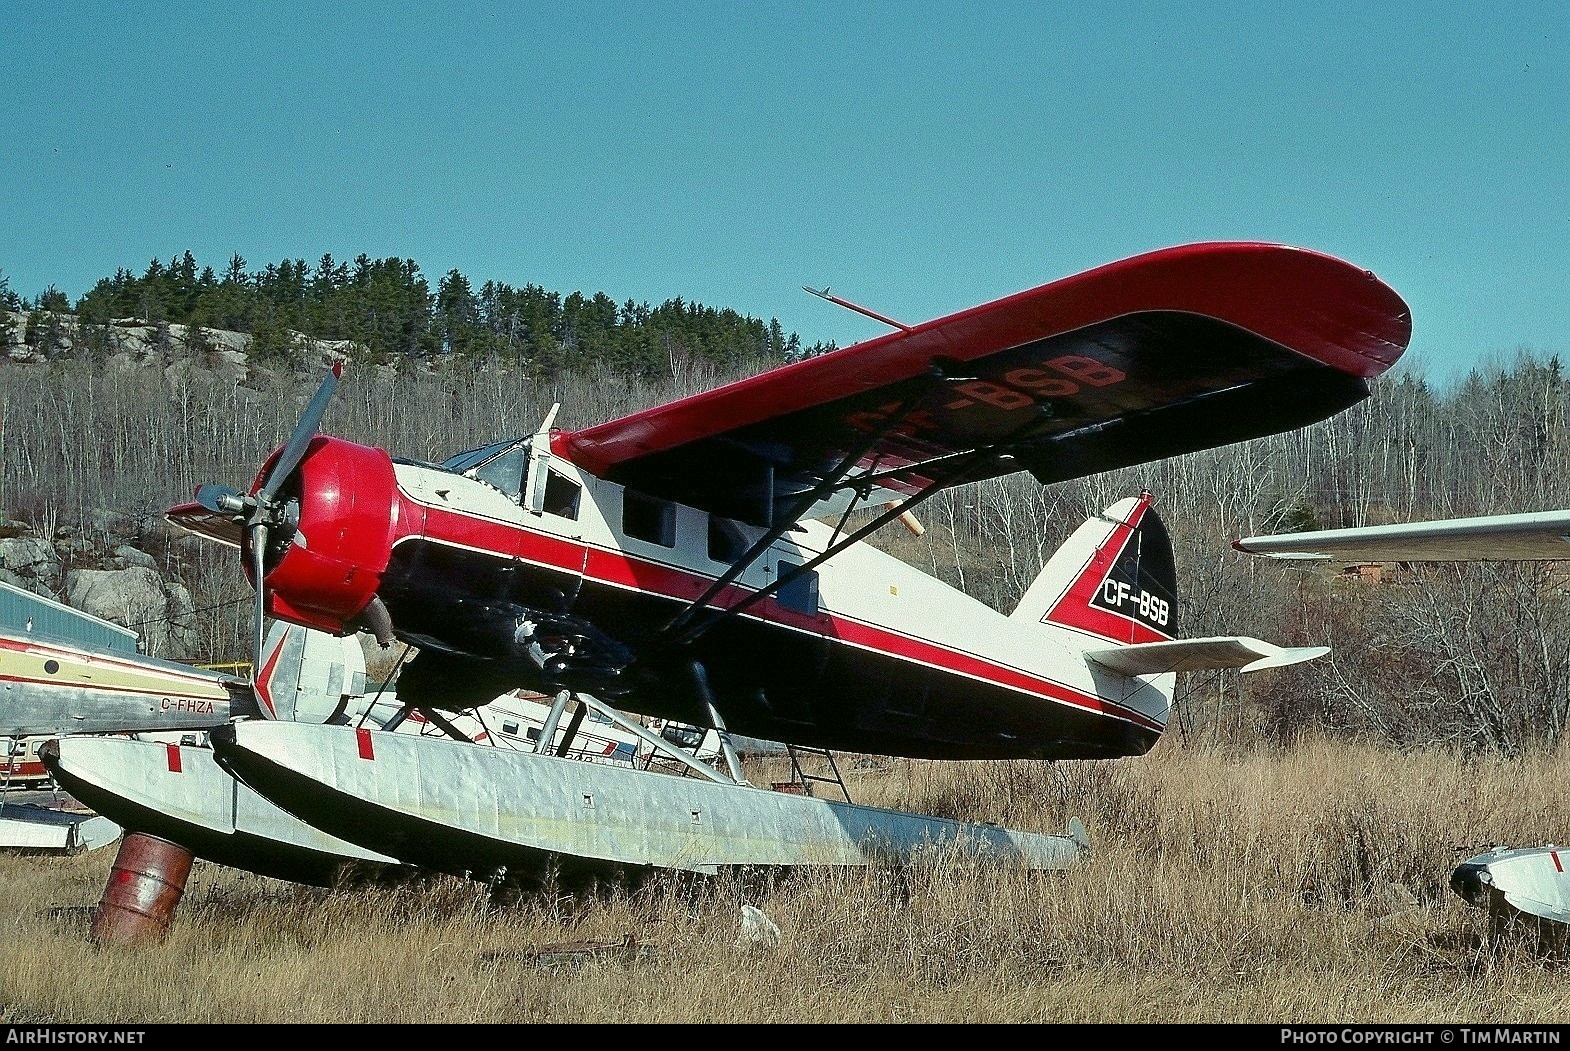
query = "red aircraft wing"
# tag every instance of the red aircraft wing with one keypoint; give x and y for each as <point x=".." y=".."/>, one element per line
<point x="215" y="525"/>
<point x="1165" y="353"/>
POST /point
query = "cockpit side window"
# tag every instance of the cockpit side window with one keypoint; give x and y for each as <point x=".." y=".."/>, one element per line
<point x="561" y="495"/>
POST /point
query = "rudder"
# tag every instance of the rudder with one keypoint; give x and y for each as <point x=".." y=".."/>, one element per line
<point x="1114" y="578"/>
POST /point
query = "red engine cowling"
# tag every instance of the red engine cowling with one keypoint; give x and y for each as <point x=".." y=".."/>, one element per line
<point x="349" y="511"/>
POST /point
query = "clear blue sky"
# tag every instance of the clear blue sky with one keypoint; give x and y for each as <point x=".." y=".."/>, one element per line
<point x="917" y="157"/>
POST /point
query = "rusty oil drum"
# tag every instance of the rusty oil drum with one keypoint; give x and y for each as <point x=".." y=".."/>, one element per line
<point x="145" y="885"/>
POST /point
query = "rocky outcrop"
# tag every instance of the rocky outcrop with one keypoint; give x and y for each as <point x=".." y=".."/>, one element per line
<point x="41" y="335"/>
<point x="112" y="565"/>
<point x="138" y="598"/>
<point x="32" y="564"/>
<point x="121" y="584"/>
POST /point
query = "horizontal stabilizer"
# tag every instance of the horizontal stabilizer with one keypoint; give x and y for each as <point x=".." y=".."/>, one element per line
<point x="1227" y="651"/>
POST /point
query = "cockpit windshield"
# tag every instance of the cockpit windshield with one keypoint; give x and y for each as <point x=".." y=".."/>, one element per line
<point x="501" y="464"/>
<point x="461" y="462"/>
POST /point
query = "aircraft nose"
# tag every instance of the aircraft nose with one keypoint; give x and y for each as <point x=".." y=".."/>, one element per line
<point x="343" y="531"/>
<point x="49" y="753"/>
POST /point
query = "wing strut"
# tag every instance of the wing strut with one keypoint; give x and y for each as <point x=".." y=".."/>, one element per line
<point x="779" y="525"/>
<point x="673" y="635"/>
<point x="829" y="552"/>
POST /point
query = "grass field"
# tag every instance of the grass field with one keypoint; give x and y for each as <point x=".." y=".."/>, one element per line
<point x="1306" y="885"/>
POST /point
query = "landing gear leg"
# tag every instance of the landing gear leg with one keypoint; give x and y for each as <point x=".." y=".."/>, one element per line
<point x="700" y="680"/>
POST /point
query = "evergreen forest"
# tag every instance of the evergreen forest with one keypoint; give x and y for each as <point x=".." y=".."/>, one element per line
<point x="387" y="313"/>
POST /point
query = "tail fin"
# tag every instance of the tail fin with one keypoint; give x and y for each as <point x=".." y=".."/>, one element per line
<point x="1114" y="579"/>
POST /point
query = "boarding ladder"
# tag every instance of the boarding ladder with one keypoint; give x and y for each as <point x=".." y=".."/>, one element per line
<point x="796" y="751"/>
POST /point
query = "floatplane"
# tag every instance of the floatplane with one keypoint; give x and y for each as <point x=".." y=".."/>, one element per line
<point x="54" y="686"/>
<point x="131" y="729"/>
<point x="706" y="562"/>
<point x="1506" y="881"/>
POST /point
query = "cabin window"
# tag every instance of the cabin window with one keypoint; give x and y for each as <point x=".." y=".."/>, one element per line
<point x="727" y="540"/>
<point x="561" y="496"/>
<point x="682" y="734"/>
<point x="510" y="728"/>
<point x="645" y="518"/>
<point x="800" y="593"/>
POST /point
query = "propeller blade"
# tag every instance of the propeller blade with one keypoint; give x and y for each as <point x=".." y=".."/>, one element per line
<point x="258" y="553"/>
<point x="304" y="431"/>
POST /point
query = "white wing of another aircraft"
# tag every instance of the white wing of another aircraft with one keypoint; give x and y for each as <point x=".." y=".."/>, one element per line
<point x="1533" y="536"/>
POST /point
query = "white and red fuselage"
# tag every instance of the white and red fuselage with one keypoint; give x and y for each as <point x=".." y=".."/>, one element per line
<point x="864" y="653"/>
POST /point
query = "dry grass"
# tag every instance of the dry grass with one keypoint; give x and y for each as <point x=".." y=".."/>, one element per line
<point x="1300" y="886"/>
